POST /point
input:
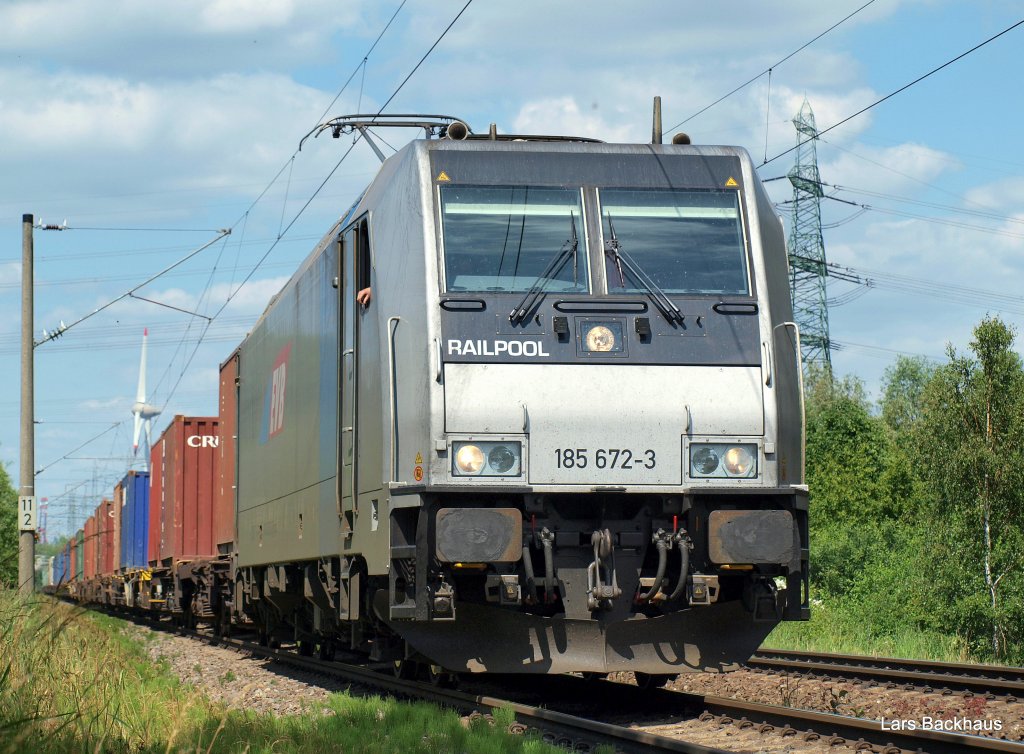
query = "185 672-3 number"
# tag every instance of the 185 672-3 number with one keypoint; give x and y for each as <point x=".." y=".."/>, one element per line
<point x="604" y="458"/>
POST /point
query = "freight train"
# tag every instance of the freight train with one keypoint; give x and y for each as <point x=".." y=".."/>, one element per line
<point x="532" y="405"/>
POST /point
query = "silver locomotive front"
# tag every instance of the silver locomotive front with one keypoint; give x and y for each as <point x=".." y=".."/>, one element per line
<point x="608" y="468"/>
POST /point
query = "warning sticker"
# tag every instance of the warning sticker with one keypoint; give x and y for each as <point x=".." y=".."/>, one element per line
<point x="731" y="183"/>
<point x="419" y="459"/>
<point x="443" y="176"/>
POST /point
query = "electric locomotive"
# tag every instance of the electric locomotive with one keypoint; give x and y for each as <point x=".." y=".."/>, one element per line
<point x="564" y="434"/>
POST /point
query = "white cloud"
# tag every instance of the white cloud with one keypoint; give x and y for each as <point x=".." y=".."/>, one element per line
<point x="245" y="15"/>
<point x="181" y="37"/>
<point x="562" y="115"/>
<point x="110" y="405"/>
<point x="903" y="169"/>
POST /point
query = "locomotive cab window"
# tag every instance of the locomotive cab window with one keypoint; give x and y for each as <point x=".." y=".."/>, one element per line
<point x="687" y="242"/>
<point x="508" y="238"/>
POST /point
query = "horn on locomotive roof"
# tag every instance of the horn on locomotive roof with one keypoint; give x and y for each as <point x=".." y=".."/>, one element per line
<point x="656" y="133"/>
<point x="656" y="129"/>
<point x="456" y="131"/>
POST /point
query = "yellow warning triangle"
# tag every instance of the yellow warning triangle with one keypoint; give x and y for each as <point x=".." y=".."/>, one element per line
<point x="443" y="176"/>
<point x="731" y="183"/>
<point x="419" y="458"/>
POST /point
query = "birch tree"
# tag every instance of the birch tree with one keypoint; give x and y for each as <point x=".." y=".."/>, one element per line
<point x="972" y="443"/>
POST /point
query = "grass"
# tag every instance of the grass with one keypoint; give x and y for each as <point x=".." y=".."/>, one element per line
<point x="72" y="681"/>
<point x="833" y="629"/>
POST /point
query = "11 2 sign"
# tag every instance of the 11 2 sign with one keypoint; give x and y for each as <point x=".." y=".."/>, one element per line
<point x="27" y="513"/>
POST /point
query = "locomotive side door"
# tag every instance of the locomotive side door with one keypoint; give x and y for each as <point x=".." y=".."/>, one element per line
<point x="347" y="364"/>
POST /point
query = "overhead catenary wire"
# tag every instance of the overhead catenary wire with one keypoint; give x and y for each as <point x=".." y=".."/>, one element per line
<point x="231" y="295"/>
<point x="768" y="70"/>
<point x="126" y="294"/>
<point x="243" y="218"/>
<point x="903" y="88"/>
<point x="79" y="447"/>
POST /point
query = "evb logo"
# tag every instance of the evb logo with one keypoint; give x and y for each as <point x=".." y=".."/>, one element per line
<point x="274" y="399"/>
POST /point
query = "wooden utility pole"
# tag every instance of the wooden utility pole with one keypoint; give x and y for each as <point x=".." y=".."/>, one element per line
<point x="27" y="492"/>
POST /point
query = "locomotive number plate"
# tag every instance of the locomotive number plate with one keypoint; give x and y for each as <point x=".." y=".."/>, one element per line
<point x="605" y="458"/>
<point x="605" y="462"/>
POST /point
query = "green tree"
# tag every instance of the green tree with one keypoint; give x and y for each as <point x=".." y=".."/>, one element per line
<point x="971" y="436"/>
<point x="857" y="483"/>
<point x="8" y="530"/>
<point x="903" y="386"/>
<point x="847" y="453"/>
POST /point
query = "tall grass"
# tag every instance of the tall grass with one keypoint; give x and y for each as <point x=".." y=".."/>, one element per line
<point x="72" y="681"/>
<point x="837" y="628"/>
<point x="67" y="683"/>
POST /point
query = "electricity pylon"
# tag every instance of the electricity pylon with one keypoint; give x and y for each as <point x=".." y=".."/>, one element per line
<point x="807" y="264"/>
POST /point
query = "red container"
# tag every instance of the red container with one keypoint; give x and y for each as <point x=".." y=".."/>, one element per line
<point x="184" y="473"/>
<point x="224" y="499"/>
<point x="118" y="512"/>
<point x="107" y="530"/>
<point x="89" y="547"/>
<point x="156" y="496"/>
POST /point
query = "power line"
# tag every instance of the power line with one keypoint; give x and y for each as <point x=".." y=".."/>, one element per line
<point x="769" y="69"/>
<point x="903" y="88"/>
<point x="843" y="345"/>
<point x="958" y="294"/>
<point x="930" y="205"/>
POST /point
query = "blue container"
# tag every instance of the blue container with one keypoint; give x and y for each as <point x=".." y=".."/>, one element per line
<point x="135" y="520"/>
<point x="60" y="566"/>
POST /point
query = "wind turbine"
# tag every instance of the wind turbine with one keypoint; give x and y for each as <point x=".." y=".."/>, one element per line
<point x="144" y="412"/>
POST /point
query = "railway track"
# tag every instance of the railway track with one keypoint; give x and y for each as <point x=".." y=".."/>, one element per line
<point x="580" y="714"/>
<point x="945" y="677"/>
<point x="556" y="727"/>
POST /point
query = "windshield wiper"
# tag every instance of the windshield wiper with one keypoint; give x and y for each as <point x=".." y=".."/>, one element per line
<point x="536" y="290"/>
<point x="658" y="297"/>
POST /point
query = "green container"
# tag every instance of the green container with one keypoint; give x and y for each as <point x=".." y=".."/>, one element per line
<point x="79" y="554"/>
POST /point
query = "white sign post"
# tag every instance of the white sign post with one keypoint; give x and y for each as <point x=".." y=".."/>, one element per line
<point x="27" y="513"/>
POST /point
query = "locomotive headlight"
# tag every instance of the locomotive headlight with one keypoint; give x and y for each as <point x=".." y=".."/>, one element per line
<point x="487" y="458"/>
<point x="600" y="338"/>
<point x="723" y="460"/>
<point x="738" y="460"/>
<point x="469" y="460"/>
<point x="501" y="459"/>
<point x="604" y="336"/>
<point x="704" y="462"/>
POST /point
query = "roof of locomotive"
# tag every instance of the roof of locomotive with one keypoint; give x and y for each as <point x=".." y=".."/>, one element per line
<point x="420" y="149"/>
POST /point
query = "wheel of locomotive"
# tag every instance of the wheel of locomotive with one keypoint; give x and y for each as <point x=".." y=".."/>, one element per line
<point x="262" y="637"/>
<point x="325" y="650"/>
<point x="306" y="647"/>
<point x="652" y="680"/>
<point x="438" y="676"/>
<point x="404" y="669"/>
<point x="222" y="624"/>
<point x="590" y="675"/>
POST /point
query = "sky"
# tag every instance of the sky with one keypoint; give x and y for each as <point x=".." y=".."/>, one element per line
<point x="151" y="127"/>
